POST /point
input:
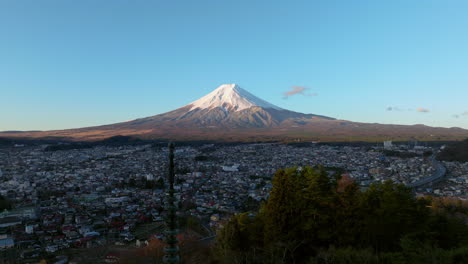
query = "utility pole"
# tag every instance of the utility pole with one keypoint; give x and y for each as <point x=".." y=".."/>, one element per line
<point x="171" y="251"/>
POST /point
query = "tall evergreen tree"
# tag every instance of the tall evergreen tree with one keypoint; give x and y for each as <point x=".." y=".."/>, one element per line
<point x="348" y="219"/>
<point x="309" y="215"/>
<point x="389" y="211"/>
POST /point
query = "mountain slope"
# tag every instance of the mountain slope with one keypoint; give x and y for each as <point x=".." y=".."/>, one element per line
<point x="229" y="106"/>
<point x="230" y="113"/>
<point x="230" y="97"/>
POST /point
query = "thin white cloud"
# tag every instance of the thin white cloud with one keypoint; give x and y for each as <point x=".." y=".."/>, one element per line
<point x="422" y="110"/>
<point x="403" y="109"/>
<point x="393" y="108"/>
<point x="461" y="114"/>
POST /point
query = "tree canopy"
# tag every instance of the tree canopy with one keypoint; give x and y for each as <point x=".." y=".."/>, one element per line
<point x="457" y="151"/>
<point x="5" y="203"/>
<point x="311" y="216"/>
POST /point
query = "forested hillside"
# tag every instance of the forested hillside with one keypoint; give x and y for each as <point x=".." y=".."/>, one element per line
<point x="457" y="151"/>
<point x="313" y="218"/>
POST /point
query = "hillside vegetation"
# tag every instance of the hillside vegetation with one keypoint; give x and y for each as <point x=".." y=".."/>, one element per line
<point x="455" y="152"/>
<point x="313" y="218"/>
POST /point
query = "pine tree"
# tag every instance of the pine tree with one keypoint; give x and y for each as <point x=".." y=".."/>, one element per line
<point x="347" y="214"/>
<point x="389" y="211"/>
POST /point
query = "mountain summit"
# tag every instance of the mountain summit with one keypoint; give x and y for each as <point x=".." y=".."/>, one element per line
<point x="227" y="107"/>
<point x="230" y="113"/>
<point x="231" y="98"/>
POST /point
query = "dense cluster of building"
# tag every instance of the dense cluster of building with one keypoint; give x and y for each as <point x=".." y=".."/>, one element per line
<point x="88" y="197"/>
<point x="455" y="183"/>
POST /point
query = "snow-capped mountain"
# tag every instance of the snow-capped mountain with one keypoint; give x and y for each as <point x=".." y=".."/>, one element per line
<point x="230" y="97"/>
<point x="229" y="106"/>
<point x="230" y="113"/>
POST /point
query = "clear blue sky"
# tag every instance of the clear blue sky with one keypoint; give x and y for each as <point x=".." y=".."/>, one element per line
<point x="68" y="63"/>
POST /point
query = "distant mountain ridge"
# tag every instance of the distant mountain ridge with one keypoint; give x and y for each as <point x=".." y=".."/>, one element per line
<point x="230" y="113"/>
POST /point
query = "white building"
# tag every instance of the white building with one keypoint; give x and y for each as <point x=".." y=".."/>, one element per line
<point x="149" y="177"/>
<point x="387" y="144"/>
<point x="232" y="168"/>
<point x="29" y="229"/>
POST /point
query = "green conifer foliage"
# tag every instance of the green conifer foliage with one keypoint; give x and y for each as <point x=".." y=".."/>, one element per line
<point x="311" y="217"/>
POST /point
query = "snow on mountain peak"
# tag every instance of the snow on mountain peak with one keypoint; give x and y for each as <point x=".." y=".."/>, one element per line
<point x="232" y="97"/>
